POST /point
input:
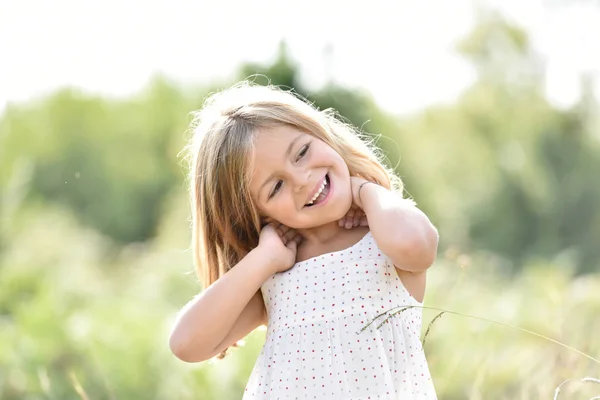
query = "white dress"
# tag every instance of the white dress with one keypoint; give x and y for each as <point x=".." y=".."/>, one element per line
<point x="315" y="348"/>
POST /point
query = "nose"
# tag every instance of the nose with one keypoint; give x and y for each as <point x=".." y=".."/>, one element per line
<point x="300" y="179"/>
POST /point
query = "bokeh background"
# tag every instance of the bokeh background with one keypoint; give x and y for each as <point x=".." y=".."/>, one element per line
<point x="487" y="109"/>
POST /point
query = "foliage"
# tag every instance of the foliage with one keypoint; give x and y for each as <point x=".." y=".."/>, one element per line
<point x="111" y="162"/>
<point x="71" y="316"/>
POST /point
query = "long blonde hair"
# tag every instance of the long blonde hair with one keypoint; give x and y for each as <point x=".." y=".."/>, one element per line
<point x="225" y="221"/>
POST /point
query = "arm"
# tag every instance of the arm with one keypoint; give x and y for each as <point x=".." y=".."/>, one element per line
<point x="401" y="230"/>
<point x="223" y="313"/>
<point x="231" y="307"/>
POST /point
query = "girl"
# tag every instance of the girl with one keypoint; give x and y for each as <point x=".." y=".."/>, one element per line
<point x="298" y="225"/>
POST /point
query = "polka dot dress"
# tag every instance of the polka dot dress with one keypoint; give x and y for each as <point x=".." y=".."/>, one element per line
<point x="319" y="343"/>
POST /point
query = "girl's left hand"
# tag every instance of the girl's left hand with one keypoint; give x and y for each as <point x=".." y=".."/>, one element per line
<point x="355" y="216"/>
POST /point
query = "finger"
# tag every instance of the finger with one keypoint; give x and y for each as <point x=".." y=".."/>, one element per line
<point x="364" y="221"/>
<point x="357" y="218"/>
<point x="289" y="235"/>
<point x="298" y="239"/>
<point x="349" y="214"/>
<point x="292" y="245"/>
<point x="350" y="218"/>
<point x="348" y="224"/>
<point x="280" y="229"/>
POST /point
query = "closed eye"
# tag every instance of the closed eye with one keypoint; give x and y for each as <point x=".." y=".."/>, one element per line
<point x="279" y="183"/>
<point x="276" y="189"/>
<point x="303" y="151"/>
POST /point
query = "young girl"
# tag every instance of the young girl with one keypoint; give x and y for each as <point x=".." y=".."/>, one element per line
<point x="298" y="225"/>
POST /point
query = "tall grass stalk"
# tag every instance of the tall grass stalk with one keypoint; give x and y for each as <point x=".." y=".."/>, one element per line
<point x="406" y="307"/>
<point x="77" y="386"/>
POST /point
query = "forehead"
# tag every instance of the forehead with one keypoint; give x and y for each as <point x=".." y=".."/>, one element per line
<point x="272" y="142"/>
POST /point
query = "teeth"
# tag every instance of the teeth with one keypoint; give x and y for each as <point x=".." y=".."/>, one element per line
<point x="318" y="192"/>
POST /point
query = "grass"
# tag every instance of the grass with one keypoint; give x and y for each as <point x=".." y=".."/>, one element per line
<point x="76" y="325"/>
<point x="399" y="309"/>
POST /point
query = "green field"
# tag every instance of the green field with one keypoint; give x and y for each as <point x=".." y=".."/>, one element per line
<point x="77" y="325"/>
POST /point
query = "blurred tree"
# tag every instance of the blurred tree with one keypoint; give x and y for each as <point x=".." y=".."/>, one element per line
<point x="282" y="72"/>
<point x="502" y="169"/>
<point x="546" y="202"/>
<point x="501" y="53"/>
<point x="111" y="163"/>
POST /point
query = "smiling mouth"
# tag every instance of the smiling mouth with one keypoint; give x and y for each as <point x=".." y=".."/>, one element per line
<point x="321" y="193"/>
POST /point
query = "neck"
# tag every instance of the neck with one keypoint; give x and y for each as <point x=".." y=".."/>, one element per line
<point x="321" y="234"/>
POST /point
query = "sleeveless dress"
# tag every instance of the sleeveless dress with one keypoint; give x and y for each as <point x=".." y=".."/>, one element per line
<point x="317" y="346"/>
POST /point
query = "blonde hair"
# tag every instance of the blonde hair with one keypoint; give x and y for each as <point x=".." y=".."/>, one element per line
<point x="225" y="220"/>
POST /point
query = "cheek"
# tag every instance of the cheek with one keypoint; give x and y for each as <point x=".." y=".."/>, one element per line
<point x="277" y="209"/>
<point x="336" y="158"/>
<point x="342" y="166"/>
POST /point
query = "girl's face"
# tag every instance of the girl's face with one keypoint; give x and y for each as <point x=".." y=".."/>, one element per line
<point x="297" y="179"/>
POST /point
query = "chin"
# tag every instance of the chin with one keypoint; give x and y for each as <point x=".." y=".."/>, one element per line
<point x="340" y="211"/>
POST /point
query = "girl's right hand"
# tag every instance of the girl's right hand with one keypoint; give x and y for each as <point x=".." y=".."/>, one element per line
<point x="279" y="243"/>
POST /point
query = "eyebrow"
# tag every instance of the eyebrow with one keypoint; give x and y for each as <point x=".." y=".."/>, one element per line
<point x="287" y="154"/>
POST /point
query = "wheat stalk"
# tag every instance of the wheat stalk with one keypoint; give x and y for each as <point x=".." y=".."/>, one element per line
<point x="442" y="311"/>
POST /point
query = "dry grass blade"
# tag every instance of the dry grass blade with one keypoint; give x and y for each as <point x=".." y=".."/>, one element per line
<point x="430" y="325"/>
<point x="403" y="308"/>
<point x="77" y="386"/>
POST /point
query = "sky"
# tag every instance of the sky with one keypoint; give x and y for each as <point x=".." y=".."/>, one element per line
<point x="401" y="51"/>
